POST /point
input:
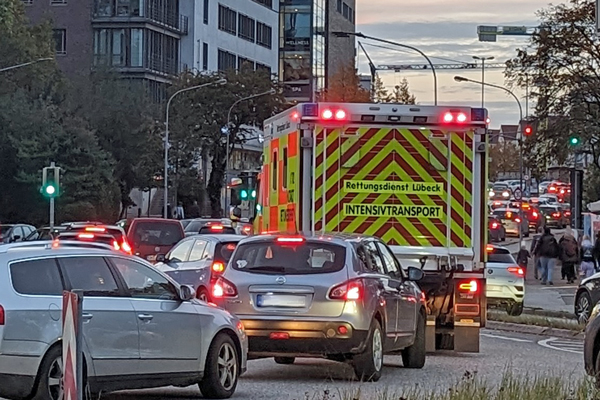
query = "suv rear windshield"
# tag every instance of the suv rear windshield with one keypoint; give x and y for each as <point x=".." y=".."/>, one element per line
<point x="289" y="259"/>
<point x="501" y="256"/>
<point x="224" y="251"/>
<point x="157" y="233"/>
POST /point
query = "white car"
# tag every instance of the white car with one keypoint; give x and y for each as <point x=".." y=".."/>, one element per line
<point x="505" y="280"/>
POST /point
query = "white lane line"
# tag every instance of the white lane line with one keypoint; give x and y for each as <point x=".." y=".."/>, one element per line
<point x="546" y="343"/>
<point x="558" y="287"/>
<point x="506" y="338"/>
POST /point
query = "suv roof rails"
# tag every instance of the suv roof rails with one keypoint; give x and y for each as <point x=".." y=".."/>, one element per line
<point x="50" y="244"/>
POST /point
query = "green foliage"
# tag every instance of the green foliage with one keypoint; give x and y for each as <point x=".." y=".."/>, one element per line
<point x="344" y="86"/>
<point x="401" y="94"/>
<point x="504" y="157"/>
<point x="199" y="116"/>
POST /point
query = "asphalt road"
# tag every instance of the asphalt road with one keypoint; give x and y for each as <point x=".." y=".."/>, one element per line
<point x="500" y="351"/>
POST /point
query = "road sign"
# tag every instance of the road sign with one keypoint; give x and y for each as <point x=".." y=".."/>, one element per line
<point x="526" y="177"/>
<point x="518" y="194"/>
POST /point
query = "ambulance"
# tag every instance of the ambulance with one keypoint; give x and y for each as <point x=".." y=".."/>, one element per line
<point x="414" y="176"/>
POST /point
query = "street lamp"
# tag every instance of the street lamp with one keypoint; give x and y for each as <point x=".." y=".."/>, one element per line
<point x="221" y="81"/>
<point x="26" y="64"/>
<point x="483" y="60"/>
<point x="520" y="136"/>
<point x="235" y="103"/>
<point x="359" y="34"/>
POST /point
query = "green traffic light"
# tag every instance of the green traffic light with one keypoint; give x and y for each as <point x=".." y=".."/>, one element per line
<point x="254" y="194"/>
<point x="574" y="140"/>
<point x="244" y="194"/>
<point x="50" y="190"/>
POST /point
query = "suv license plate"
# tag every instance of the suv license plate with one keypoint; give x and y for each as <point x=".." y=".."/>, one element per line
<point x="280" y="300"/>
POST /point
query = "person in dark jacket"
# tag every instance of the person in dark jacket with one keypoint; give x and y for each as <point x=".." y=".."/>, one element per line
<point x="569" y="255"/>
<point x="523" y="259"/>
<point x="597" y="251"/>
<point x="532" y="250"/>
<point x="548" y="251"/>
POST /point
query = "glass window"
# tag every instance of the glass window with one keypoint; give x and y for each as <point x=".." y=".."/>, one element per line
<point x="374" y="259"/>
<point x="205" y="16"/>
<point x="104" y="8"/>
<point x="137" y="48"/>
<point x="60" y="41"/>
<point x="198" y="250"/>
<point x="224" y="251"/>
<point x="275" y="170"/>
<point x="90" y="274"/>
<point x="284" y="178"/>
<point x="144" y="282"/>
<point x="118" y="47"/>
<point x="180" y="252"/>
<point x="391" y="264"/>
<point x="205" y="56"/>
<point x="157" y="233"/>
<point x="37" y="277"/>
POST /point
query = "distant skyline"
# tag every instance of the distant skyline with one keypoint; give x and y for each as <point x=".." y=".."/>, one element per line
<point x="446" y="30"/>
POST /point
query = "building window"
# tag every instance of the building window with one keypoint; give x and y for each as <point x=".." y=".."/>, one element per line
<point x="205" y="56"/>
<point x="339" y="6"/>
<point x="266" y="3"/>
<point x="205" y="15"/>
<point x="226" y="60"/>
<point x="28" y="2"/>
<point x="60" y="41"/>
<point x="245" y="64"/>
<point x="263" y="67"/>
<point x="246" y="28"/>
<point x="137" y="48"/>
<point x="227" y="20"/>
<point x="348" y="12"/>
<point x="264" y="35"/>
<point x="57" y="2"/>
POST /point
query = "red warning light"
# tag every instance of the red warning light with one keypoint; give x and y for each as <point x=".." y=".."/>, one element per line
<point x="461" y="117"/>
<point x="327" y="114"/>
<point x="340" y="114"/>
<point x="448" y="117"/>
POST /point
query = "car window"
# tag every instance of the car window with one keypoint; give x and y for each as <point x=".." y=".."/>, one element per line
<point x="223" y="251"/>
<point x="18" y="231"/>
<point x="144" y="282"/>
<point x="157" y="233"/>
<point x="375" y="260"/>
<point x="391" y="264"/>
<point x="293" y="258"/>
<point x="90" y="274"/>
<point x="37" y="277"/>
<point x="198" y="250"/>
<point x="180" y="252"/>
<point x="35" y="235"/>
<point x="501" y="256"/>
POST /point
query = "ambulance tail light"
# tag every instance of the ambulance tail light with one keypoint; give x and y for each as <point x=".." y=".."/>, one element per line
<point x="330" y="114"/>
<point x="455" y="117"/>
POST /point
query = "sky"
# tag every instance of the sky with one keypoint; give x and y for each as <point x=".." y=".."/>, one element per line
<point x="447" y="29"/>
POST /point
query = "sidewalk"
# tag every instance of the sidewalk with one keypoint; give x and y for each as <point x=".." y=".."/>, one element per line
<point x="557" y="298"/>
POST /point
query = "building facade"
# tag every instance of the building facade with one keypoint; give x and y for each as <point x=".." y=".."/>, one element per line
<point x="229" y="34"/>
<point x="309" y="52"/>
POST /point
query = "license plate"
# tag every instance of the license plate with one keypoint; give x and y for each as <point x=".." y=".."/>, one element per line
<point x="280" y="300"/>
<point x="151" y="258"/>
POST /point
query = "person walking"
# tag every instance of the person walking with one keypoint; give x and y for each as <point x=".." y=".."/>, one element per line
<point x="569" y="255"/>
<point x="586" y="254"/>
<point x="523" y="260"/>
<point x="179" y="211"/>
<point x="532" y="251"/>
<point x="548" y="251"/>
<point x="194" y="211"/>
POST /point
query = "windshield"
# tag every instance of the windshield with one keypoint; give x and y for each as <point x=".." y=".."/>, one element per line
<point x="224" y="251"/>
<point x="157" y="234"/>
<point x="501" y="256"/>
<point x="289" y="259"/>
<point x="501" y="186"/>
<point x="548" y="210"/>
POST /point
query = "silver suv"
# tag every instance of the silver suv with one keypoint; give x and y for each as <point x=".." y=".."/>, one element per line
<point x="140" y="328"/>
<point x="344" y="298"/>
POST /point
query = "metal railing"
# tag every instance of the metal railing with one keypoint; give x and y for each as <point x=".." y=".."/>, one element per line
<point x="150" y="12"/>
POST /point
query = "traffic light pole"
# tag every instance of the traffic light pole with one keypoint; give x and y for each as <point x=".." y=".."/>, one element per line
<point x="52" y="165"/>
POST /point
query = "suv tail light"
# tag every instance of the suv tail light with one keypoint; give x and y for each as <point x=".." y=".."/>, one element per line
<point x="126" y="247"/>
<point x="556" y="215"/>
<point x="494" y="225"/>
<point x="224" y="288"/>
<point x="516" y="270"/>
<point x="2" y="318"/>
<point x="218" y="267"/>
<point x="116" y="245"/>
<point x="471" y="286"/>
<point x="351" y="290"/>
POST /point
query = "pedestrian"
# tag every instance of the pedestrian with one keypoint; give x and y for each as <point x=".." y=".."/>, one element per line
<point x="169" y="211"/>
<point x="523" y="259"/>
<point x="179" y="211"/>
<point x="194" y="211"/>
<point x="532" y="250"/>
<point x="597" y="251"/>
<point x="569" y="255"/>
<point x="587" y="267"/>
<point x="548" y="251"/>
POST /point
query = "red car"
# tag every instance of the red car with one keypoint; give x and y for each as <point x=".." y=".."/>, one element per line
<point x="151" y="236"/>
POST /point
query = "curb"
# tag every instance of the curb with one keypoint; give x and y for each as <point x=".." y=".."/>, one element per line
<point x="548" y="313"/>
<point x="534" y="330"/>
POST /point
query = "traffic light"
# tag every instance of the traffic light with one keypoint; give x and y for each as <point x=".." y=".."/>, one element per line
<point x="574" y="140"/>
<point x="51" y="182"/>
<point x="253" y="194"/>
<point x="528" y="131"/>
<point x="244" y="194"/>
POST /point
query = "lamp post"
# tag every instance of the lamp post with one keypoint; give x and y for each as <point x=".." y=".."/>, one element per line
<point x="25" y="64"/>
<point x="519" y="139"/>
<point x="221" y="81"/>
<point x="483" y="60"/>
<point x="361" y="35"/>
<point x="235" y="103"/>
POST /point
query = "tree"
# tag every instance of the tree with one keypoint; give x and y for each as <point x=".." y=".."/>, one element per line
<point x="560" y="67"/>
<point x="344" y="87"/>
<point x="379" y="90"/>
<point x="200" y="121"/>
<point x="504" y="157"/>
<point x="401" y="94"/>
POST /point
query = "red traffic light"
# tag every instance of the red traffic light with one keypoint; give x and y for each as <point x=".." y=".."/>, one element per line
<point x="528" y="131"/>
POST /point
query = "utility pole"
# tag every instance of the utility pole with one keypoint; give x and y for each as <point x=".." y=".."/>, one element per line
<point x="483" y="60"/>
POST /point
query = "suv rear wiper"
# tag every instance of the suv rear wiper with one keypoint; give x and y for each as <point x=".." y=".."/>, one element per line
<point x="265" y="268"/>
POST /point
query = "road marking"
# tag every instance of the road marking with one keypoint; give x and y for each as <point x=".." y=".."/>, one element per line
<point x="555" y="344"/>
<point x="506" y="338"/>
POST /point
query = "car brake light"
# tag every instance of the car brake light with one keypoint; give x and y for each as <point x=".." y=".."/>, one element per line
<point x="116" y="245"/>
<point x="2" y="318"/>
<point x="517" y="219"/>
<point x="469" y="286"/>
<point x="489" y="248"/>
<point x="86" y="236"/>
<point x="126" y="247"/>
<point x="516" y="270"/>
<point x="55" y="243"/>
<point x="290" y="240"/>
<point x="552" y="189"/>
<point x="216" y="227"/>
<point x="279" y="335"/>
<point x="508" y="214"/>
<point x="556" y="214"/>
<point x="494" y="225"/>
<point x="224" y="288"/>
<point x="95" y="229"/>
<point x="247" y="229"/>
<point x="352" y="290"/>
<point x="423" y="297"/>
<point x="218" y="267"/>
<point x="535" y="215"/>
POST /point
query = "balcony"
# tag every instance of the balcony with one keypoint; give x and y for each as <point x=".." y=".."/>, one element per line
<point x="148" y="12"/>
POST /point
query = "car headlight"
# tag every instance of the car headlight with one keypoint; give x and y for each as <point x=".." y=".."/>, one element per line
<point x="505" y="194"/>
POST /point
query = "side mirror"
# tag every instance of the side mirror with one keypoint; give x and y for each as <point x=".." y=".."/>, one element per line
<point x="16" y="238"/>
<point x="186" y="293"/>
<point x="415" y="274"/>
<point x="161" y="258"/>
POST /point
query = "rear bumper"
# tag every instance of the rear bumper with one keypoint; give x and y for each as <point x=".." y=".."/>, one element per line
<point x="306" y="338"/>
<point x="499" y="294"/>
<point x="16" y="386"/>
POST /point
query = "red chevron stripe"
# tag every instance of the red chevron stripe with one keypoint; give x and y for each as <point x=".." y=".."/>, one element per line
<point x="368" y="135"/>
<point x="332" y="146"/>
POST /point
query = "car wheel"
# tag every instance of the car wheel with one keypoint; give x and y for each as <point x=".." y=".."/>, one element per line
<point x="203" y="295"/>
<point x="368" y="365"/>
<point x="285" y="360"/>
<point x="414" y="356"/>
<point x="221" y="371"/>
<point x="514" y="309"/>
<point x="583" y="308"/>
